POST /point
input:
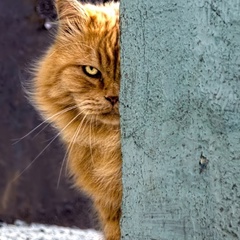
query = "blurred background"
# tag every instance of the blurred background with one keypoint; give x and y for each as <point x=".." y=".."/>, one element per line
<point x="29" y="189"/>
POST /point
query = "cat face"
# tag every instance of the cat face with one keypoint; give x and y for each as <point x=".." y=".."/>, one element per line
<point x="87" y="59"/>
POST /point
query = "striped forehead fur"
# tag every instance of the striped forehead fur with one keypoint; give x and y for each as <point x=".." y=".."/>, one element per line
<point x="83" y="17"/>
<point x="94" y="28"/>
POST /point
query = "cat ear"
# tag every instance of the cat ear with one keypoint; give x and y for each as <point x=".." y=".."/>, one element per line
<point x="71" y="16"/>
<point x="67" y="9"/>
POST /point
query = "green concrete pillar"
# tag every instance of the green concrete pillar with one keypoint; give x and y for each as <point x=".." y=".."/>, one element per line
<point x="180" y="103"/>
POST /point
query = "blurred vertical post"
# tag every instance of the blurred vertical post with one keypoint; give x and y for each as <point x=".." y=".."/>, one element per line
<point x="180" y="119"/>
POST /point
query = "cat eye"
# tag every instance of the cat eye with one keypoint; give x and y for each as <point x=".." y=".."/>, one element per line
<point x="91" y="71"/>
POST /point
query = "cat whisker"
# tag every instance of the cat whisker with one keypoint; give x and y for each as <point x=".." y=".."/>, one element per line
<point x="90" y="139"/>
<point x="90" y="110"/>
<point x="93" y="102"/>
<point x="40" y="131"/>
<point x="33" y="130"/>
<point x="86" y="122"/>
<point x="94" y="106"/>
<point x="34" y="160"/>
<point x="70" y="148"/>
<point x="65" y="158"/>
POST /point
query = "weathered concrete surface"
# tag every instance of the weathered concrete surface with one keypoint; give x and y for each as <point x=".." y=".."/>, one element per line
<point x="180" y="98"/>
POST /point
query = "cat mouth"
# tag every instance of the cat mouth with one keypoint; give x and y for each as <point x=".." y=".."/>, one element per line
<point x="107" y="116"/>
<point x="112" y="117"/>
<point x="112" y="112"/>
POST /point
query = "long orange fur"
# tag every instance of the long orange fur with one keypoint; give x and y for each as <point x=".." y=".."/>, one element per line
<point x="85" y="109"/>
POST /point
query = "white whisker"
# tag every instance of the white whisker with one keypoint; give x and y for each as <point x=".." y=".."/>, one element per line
<point x="90" y="139"/>
<point x="29" y="133"/>
<point x="70" y="148"/>
<point x="34" y="160"/>
<point x="41" y="131"/>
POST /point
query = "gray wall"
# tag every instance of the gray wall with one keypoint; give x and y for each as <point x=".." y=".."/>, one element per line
<point x="180" y="99"/>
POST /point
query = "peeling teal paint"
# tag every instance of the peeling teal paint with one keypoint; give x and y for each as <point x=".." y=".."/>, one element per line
<point x="180" y="100"/>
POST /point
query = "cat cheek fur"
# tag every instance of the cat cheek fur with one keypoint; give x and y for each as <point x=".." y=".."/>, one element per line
<point x="85" y="110"/>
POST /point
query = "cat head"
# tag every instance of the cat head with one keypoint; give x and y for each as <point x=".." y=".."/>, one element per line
<point x="82" y="67"/>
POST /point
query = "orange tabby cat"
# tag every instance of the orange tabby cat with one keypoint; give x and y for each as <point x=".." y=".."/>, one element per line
<point x="76" y="88"/>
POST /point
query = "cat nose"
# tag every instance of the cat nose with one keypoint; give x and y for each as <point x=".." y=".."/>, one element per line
<point x="112" y="99"/>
